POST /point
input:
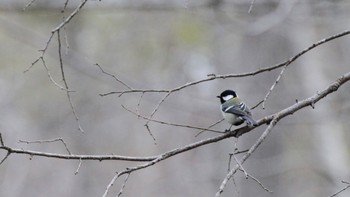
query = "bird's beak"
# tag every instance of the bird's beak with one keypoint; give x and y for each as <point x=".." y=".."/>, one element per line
<point x="218" y="96"/>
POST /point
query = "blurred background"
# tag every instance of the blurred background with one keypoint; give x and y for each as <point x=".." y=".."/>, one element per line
<point x="162" y="45"/>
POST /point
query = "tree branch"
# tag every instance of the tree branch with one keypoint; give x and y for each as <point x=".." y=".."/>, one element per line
<point x="247" y="74"/>
<point x="234" y="133"/>
<point x="340" y="191"/>
<point x="273" y="119"/>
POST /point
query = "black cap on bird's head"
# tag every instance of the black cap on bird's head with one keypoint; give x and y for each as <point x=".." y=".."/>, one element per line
<point x="227" y="95"/>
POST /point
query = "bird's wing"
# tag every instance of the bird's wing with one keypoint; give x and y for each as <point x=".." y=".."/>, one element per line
<point x="234" y="110"/>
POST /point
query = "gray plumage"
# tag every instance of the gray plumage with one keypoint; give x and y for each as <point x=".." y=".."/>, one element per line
<point x="234" y="110"/>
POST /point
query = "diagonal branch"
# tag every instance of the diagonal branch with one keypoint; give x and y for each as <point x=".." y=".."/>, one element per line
<point x="247" y="74"/>
<point x="171" y="124"/>
<point x="246" y="156"/>
<point x="340" y="191"/>
<point x="70" y="16"/>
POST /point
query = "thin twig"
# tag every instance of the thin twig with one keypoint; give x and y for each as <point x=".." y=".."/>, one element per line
<point x="47" y="141"/>
<point x="115" y="78"/>
<point x="208" y="128"/>
<point x="6" y="156"/>
<point x="66" y="84"/>
<point x="169" y="123"/>
<point x="346" y="182"/>
<point x="256" y="105"/>
<point x="78" y="168"/>
<point x="233" y="179"/>
<point x="138" y="105"/>
<point x="1" y="140"/>
<point x="110" y="184"/>
<point x="124" y="184"/>
<point x="50" y="77"/>
<point x="64" y="27"/>
<point x="340" y="191"/>
<point x="135" y="91"/>
<point x="257" y="181"/>
<point x="28" y="5"/>
<point x="111" y="157"/>
<point x="43" y="51"/>
<point x="240" y="166"/>
<point x="150" y="133"/>
<point x="229" y="162"/>
<point x="251" y="6"/>
<point x="70" y="16"/>
<point x="158" y="105"/>
<point x="273" y="86"/>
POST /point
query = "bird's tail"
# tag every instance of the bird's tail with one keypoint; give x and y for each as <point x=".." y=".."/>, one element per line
<point x="250" y="121"/>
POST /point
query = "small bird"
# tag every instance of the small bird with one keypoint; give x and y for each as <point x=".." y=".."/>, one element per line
<point x="234" y="110"/>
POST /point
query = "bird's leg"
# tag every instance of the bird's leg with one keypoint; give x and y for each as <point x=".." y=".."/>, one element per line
<point x="229" y="129"/>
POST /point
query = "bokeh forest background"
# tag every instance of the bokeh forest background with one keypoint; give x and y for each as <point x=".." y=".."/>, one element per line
<point x="162" y="45"/>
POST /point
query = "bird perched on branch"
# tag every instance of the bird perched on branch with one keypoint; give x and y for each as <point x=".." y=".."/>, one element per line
<point x="234" y="110"/>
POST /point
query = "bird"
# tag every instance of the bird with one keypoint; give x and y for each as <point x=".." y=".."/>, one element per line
<point x="234" y="110"/>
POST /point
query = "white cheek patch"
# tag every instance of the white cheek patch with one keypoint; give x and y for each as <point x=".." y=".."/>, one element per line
<point x="228" y="97"/>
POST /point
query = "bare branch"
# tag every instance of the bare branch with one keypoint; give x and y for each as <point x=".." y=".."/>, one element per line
<point x="247" y="74"/>
<point x="273" y="85"/>
<point x="208" y="128"/>
<point x="111" y="183"/>
<point x="340" y="191"/>
<point x="150" y="133"/>
<point x="43" y="51"/>
<point x="47" y="141"/>
<point x="346" y="182"/>
<point x="135" y="91"/>
<point x="116" y="78"/>
<point x="6" y="156"/>
<point x="53" y="31"/>
<point x="69" y="17"/>
<point x="257" y="181"/>
<point x="234" y="133"/>
<point x="273" y="119"/>
<point x="246" y="156"/>
<point x="240" y="166"/>
<point x="65" y="82"/>
<point x="213" y="77"/>
<point x="311" y="101"/>
<point x="1" y="140"/>
<point x="169" y="123"/>
<point x="78" y="168"/>
<point x="77" y="157"/>
<point x="50" y="77"/>
<point x="138" y="105"/>
<point x="28" y="5"/>
<point x="159" y="103"/>
<point x="124" y="183"/>
<point x="251" y="6"/>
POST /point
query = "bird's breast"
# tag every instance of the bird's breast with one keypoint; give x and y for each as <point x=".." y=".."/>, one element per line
<point x="231" y="118"/>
